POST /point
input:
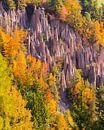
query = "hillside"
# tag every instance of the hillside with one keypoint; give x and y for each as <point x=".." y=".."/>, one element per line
<point x="51" y="65"/>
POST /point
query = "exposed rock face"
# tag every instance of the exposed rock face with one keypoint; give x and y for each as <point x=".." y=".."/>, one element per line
<point x="53" y="41"/>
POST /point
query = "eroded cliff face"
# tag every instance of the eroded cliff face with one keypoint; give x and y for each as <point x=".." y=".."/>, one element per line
<point x="53" y="41"/>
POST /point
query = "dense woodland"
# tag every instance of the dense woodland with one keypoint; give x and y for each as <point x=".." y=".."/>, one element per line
<point x="30" y="89"/>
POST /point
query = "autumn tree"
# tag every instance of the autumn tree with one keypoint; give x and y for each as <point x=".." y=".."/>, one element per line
<point x="11" y="45"/>
<point x="13" y="114"/>
<point x="54" y="6"/>
<point x="36" y="103"/>
<point x="19" y="67"/>
<point x="36" y="70"/>
<point x="9" y="4"/>
<point x="59" y="122"/>
<point x="99" y="32"/>
<point x="30" y="76"/>
<point x="67" y="10"/>
<point x="83" y="99"/>
<point x="98" y="125"/>
<point x="70" y="120"/>
<point x="89" y="6"/>
<point x="13" y="49"/>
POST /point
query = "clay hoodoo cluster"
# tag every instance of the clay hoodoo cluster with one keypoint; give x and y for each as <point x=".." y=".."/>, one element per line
<point x="53" y="41"/>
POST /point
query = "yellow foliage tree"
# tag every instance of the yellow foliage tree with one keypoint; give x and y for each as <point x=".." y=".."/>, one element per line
<point x="70" y="11"/>
<point x="52" y="80"/>
<point x="13" y="114"/>
<point x="60" y="122"/>
<point x="19" y="67"/>
<point x="70" y="120"/>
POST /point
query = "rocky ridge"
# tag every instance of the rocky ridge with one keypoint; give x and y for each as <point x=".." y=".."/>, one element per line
<point x="53" y="41"/>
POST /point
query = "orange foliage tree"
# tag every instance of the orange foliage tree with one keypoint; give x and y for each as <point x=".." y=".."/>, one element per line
<point x="99" y="32"/>
<point x="12" y="44"/>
